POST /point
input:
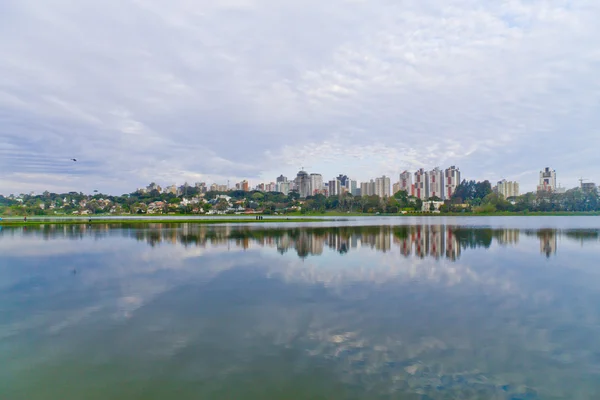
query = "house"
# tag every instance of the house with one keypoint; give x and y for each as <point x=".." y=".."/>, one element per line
<point x="432" y="206"/>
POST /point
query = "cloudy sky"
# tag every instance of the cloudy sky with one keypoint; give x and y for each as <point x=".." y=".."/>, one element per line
<point x="198" y="90"/>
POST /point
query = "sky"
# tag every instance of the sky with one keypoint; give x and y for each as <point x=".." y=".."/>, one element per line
<point x="142" y="91"/>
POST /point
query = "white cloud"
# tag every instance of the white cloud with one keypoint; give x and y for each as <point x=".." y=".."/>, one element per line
<point x="181" y="90"/>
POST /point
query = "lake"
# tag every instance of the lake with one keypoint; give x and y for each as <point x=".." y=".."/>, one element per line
<point x="367" y="308"/>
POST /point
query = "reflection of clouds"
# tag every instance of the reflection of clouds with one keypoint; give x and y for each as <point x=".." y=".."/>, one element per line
<point x="384" y="319"/>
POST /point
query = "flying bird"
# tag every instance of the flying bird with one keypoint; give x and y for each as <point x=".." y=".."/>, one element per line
<point x="73" y="159"/>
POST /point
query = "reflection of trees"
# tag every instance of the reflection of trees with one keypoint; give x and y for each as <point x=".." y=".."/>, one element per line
<point x="437" y="241"/>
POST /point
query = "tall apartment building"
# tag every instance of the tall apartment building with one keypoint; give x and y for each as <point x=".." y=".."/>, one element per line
<point x="451" y="181"/>
<point x="303" y="184"/>
<point x="283" y="187"/>
<point x="367" y="188"/>
<point x="335" y="187"/>
<point x="421" y="184"/>
<point x="406" y="183"/>
<point x="436" y="183"/>
<point x="395" y="188"/>
<point x="351" y="186"/>
<point x="281" y="178"/>
<point x="547" y="180"/>
<point x="316" y="184"/>
<point x="382" y="186"/>
<point x="507" y="188"/>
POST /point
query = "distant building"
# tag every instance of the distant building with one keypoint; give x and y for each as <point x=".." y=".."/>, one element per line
<point x="343" y="180"/>
<point x="281" y="178"/>
<point x="171" y="189"/>
<point x="436" y="183"/>
<point x="432" y="206"/>
<point x="588" y="186"/>
<point x="451" y="181"/>
<point x="244" y="185"/>
<point x="316" y="184"/>
<point x="507" y="188"/>
<point x="406" y="183"/>
<point x="395" y="188"/>
<point x="283" y="187"/>
<point x="351" y="186"/>
<point x="367" y="188"/>
<point x="303" y="184"/>
<point x="153" y="186"/>
<point x="421" y="183"/>
<point x="547" y="180"/>
<point x="382" y="186"/>
<point x="335" y="187"/>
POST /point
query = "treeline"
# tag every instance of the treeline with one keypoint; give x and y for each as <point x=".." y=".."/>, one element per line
<point x="469" y="197"/>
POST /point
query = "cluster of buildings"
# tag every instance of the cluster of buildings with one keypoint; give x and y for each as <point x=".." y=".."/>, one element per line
<point x="439" y="184"/>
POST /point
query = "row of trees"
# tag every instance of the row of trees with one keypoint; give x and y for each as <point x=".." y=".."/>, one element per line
<point x="470" y="196"/>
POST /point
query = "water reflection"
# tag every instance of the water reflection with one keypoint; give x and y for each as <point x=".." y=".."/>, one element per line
<point x="425" y="240"/>
<point x="427" y="311"/>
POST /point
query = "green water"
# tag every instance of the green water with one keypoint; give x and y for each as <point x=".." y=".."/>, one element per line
<point x="424" y="310"/>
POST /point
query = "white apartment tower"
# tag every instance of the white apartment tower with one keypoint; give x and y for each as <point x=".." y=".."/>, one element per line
<point x="316" y="183"/>
<point x="382" y="186"/>
<point x="406" y="183"/>
<point x="507" y="188"/>
<point x="421" y="188"/>
<point x="436" y="183"/>
<point x="547" y="180"/>
<point x="451" y="181"/>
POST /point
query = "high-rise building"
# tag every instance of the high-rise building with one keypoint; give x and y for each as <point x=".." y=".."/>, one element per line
<point x="316" y="184"/>
<point x="547" y="180"/>
<point x="436" y="183"/>
<point x="281" y="178"/>
<point x="303" y="184"/>
<point x="343" y="180"/>
<point x="395" y="188"/>
<point x="451" y="181"/>
<point x="382" y="186"/>
<point x="367" y="188"/>
<point x="352" y="187"/>
<point x="406" y="183"/>
<point x="283" y="187"/>
<point x="335" y="187"/>
<point x="421" y="184"/>
<point x="507" y="188"/>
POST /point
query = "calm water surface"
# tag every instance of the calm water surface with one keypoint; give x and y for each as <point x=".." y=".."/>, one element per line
<point x="431" y="309"/>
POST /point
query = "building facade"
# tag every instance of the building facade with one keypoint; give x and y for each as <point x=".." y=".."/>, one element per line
<point x="547" y="180"/>
<point x="316" y="184"/>
<point x="382" y="186"/>
<point x="367" y="188"/>
<point x="335" y="187"/>
<point x="436" y="183"/>
<point x="421" y="182"/>
<point x="406" y="183"/>
<point x="451" y="181"/>
<point x="303" y="184"/>
<point x="507" y="188"/>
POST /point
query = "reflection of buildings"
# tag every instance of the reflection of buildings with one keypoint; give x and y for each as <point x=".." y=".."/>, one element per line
<point x="437" y="241"/>
<point x="508" y="236"/>
<point x="428" y="240"/>
<point x="548" y="242"/>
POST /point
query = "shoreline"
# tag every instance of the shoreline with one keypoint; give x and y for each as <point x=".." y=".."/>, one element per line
<point x="99" y="221"/>
<point x="184" y="219"/>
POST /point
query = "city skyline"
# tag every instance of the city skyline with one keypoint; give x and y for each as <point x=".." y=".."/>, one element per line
<point x="231" y="90"/>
